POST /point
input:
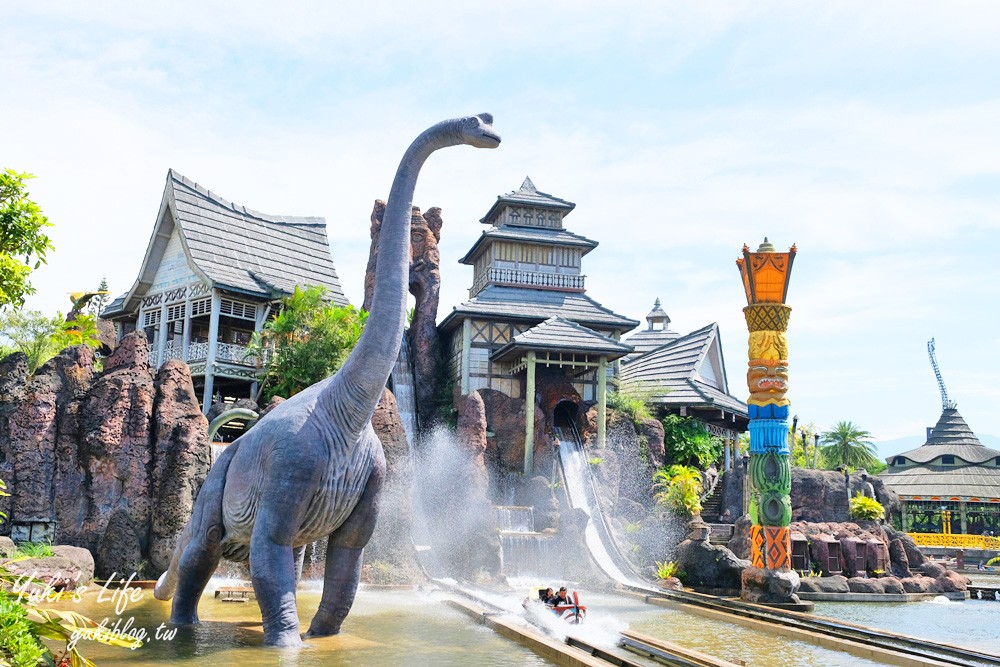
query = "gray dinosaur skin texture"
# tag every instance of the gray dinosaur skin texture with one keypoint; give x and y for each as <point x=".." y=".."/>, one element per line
<point x="313" y="466"/>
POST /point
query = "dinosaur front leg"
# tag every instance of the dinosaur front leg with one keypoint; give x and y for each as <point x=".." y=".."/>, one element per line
<point x="272" y="568"/>
<point x="343" y="560"/>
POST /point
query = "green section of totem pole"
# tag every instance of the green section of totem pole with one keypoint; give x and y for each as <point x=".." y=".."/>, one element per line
<point x="771" y="474"/>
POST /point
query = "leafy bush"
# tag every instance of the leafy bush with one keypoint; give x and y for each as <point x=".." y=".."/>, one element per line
<point x="688" y="442"/>
<point x="666" y="570"/>
<point x="307" y="341"/>
<point x="34" y="550"/>
<point x="632" y="400"/>
<point x="595" y="460"/>
<point x="865" y="508"/>
<point x="19" y="645"/>
<point x="678" y="489"/>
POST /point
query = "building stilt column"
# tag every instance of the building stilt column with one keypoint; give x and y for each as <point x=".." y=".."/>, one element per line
<point x="213" y="345"/>
<point x="466" y="355"/>
<point x="529" y="415"/>
<point x="602" y="402"/>
<point x="963" y="517"/>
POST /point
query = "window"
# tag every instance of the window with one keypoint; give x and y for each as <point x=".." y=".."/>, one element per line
<point x="948" y="460"/>
<point x="899" y="461"/>
<point x="175" y="313"/>
<point x="201" y="307"/>
<point x="246" y="311"/>
<point x="150" y="318"/>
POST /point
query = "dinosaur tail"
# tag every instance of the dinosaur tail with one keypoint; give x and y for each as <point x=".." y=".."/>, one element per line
<point x="206" y="513"/>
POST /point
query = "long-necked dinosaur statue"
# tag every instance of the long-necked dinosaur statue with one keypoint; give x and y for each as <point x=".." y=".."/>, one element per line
<point x="313" y="466"/>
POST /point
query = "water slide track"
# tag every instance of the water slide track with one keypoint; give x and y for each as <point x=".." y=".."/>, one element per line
<point x="580" y="487"/>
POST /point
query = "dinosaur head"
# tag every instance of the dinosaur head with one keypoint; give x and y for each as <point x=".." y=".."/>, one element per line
<point x="478" y="131"/>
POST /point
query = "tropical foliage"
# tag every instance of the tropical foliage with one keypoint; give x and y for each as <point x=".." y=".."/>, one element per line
<point x="307" y="341"/>
<point x="23" y="244"/>
<point x="632" y="400"/>
<point x="687" y="442"/>
<point x="666" y="570"/>
<point x="678" y="489"/>
<point x="40" y="338"/>
<point x="863" y="507"/>
<point x="847" y="445"/>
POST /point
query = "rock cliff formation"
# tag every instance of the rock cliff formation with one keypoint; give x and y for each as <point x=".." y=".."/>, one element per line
<point x="425" y="286"/>
<point x="111" y="460"/>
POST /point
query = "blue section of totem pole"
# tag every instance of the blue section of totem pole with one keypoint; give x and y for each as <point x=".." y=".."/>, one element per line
<point x="767" y="411"/>
<point x="769" y="435"/>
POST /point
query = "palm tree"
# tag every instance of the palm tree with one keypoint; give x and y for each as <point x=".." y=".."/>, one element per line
<point x="848" y="445"/>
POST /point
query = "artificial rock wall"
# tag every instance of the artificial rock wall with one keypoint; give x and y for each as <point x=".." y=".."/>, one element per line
<point x="108" y="460"/>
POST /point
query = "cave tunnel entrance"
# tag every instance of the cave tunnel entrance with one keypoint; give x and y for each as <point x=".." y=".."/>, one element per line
<point x="564" y="414"/>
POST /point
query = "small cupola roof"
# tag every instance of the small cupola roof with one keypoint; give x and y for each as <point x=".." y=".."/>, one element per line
<point x="529" y="196"/>
<point x="658" y="316"/>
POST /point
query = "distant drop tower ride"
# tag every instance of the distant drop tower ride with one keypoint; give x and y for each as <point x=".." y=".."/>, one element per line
<point x="945" y="403"/>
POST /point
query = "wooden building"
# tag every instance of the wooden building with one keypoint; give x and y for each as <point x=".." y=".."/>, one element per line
<point x="528" y="306"/>
<point x="211" y="275"/>
<point x="686" y="375"/>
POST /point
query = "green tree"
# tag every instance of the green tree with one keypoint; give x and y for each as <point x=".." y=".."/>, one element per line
<point x="100" y="301"/>
<point x="688" y="442"/>
<point x="23" y="244"/>
<point x="678" y="489"/>
<point x="847" y="445"/>
<point x="40" y="338"/>
<point x="307" y="341"/>
<point x="803" y="445"/>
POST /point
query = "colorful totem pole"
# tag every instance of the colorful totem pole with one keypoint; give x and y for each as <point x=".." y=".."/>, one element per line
<point x="765" y="279"/>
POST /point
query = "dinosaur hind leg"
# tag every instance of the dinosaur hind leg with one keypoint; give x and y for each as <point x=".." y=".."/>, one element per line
<point x="200" y="549"/>
<point x="343" y="560"/>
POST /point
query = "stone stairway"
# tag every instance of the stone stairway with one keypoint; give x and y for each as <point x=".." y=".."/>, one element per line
<point x="711" y="505"/>
<point x="721" y="533"/>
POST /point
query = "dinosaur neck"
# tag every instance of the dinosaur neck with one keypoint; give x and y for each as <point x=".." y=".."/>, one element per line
<point x="357" y="387"/>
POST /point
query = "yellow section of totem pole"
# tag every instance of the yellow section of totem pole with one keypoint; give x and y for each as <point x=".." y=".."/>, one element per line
<point x="768" y="345"/>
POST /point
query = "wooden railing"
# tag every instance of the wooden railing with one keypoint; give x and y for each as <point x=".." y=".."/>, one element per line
<point x="518" y="277"/>
<point x="955" y="541"/>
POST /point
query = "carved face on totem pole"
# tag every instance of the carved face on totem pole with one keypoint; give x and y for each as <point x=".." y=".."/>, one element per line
<point x="768" y="382"/>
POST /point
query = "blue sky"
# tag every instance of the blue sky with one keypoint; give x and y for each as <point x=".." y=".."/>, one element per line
<point x="866" y="133"/>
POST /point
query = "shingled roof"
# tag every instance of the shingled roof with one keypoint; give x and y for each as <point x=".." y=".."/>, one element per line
<point x="971" y="482"/>
<point x="526" y="304"/>
<point x="558" y="334"/>
<point x="527" y="195"/>
<point x="679" y="369"/>
<point x="539" y="235"/>
<point x="951" y="435"/>
<point x="235" y="248"/>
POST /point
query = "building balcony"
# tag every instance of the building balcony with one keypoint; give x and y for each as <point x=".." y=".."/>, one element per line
<point x="224" y="352"/>
<point x="521" y="278"/>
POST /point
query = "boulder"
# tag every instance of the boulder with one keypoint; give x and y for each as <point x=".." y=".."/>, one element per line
<point x="900" y="563"/>
<point x="861" y="585"/>
<point x="505" y="420"/>
<point x="7" y="547"/>
<point x="651" y="430"/>
<point x="835" y="584"/>
<point x="120" y="549"/>
<point x="760" y="586"/>
<point x="818" y="495"/>
<point x="932" y="569"/>
<point x="67" y="569"/>
<point x="950" y="582"/>
<point x="706" y="565"/>
<point x="537" y="493"/>
<point x="917" y="584"/>
<point x="892" y="585"/>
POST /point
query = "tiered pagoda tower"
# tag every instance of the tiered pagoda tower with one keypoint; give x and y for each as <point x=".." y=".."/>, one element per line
<point x="528" y="306"/>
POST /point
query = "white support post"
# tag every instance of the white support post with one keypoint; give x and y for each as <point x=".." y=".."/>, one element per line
<point x="213" y="344"/>
<point x="186" y="341"/>
<point x="529" y="415"/>
<point x="602" y="402"/>
<point x="466" y="354"/>
<point x="161" y="345"/>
